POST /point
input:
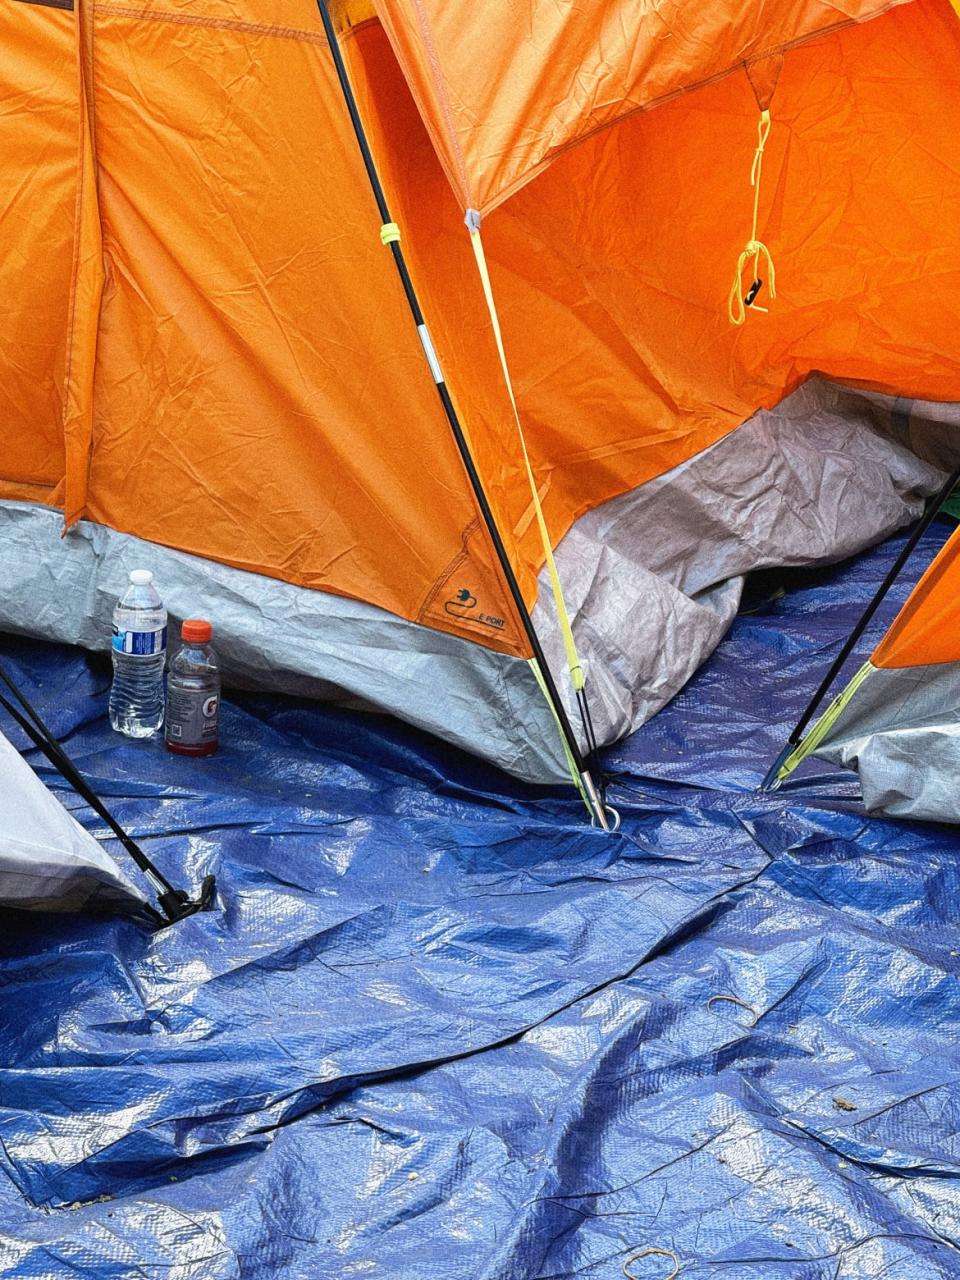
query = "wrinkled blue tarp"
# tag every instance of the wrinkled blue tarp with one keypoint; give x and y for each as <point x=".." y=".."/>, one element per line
<point x="437" y="1027"/>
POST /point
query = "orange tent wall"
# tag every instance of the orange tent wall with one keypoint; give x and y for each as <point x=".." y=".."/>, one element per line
<point x="260" y="394"/>
<point x="926" y="631"/>
<point x="38" y="144"/>
<point x="612" y="267"/>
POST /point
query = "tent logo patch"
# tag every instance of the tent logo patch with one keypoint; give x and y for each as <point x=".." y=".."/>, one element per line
<point x="463" y="605"/>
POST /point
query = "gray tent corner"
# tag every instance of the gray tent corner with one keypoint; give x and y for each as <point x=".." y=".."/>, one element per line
<point x="48" y="862"/>
<point x="901" y="732"/>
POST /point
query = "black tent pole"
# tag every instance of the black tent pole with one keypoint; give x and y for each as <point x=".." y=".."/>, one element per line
<point x="450" y="411"/>
<point x="851" y="642"/>
<point x="174" y="903"/>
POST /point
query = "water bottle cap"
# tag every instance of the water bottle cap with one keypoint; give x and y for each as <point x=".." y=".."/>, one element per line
<point x="141" y="577"/>
<point x="197" y="630"/>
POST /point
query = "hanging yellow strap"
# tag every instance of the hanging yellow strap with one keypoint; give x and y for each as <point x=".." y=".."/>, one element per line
<point x="736" y="303"/>
<point x="823" y="726"/>
<point x="566" y="630"/>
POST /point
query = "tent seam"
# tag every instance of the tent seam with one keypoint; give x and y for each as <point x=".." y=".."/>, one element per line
<point x="217" y="24"/>
<point x="443" y="97"/>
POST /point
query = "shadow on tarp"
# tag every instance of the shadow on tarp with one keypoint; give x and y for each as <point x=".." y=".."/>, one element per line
<point x="439" y="1027"/>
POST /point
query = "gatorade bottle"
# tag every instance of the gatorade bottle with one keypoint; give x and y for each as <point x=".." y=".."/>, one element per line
<point x="139" y="651"/>
<point x="193" y="693"/>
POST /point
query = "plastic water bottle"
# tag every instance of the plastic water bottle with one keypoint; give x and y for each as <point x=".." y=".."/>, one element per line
<point x="193" y="693"/>
<point x="139" y="652"/>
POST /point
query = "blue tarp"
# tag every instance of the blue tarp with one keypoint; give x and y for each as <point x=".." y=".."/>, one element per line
<point x="438" y="1027"/>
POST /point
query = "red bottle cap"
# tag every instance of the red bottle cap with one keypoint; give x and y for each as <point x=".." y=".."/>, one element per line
<point x="197" y="630"/>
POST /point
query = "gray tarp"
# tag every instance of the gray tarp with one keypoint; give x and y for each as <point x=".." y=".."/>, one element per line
<point x="47" y="860"/>
<point x="653" y="580"/>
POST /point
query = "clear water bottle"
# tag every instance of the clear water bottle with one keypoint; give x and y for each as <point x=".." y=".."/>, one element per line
<point x="191" y="727"/>
<point x="139" y="652"/>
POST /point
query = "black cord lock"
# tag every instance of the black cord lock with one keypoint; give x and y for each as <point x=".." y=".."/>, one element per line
<point x="751" y="296"/>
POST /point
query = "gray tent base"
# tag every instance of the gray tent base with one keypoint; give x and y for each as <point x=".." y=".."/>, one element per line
<point x="653" y="580"/>
<point x="47" y="860"/>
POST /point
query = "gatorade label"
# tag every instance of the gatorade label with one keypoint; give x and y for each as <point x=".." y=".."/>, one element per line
<point x="192" y="716"/>
<point x="142" y="643"/>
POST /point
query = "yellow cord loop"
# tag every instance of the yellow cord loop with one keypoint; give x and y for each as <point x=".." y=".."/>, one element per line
<point x="389" y="233"/>
<point x="738" y="302"/>
<point x="566" y="630"/>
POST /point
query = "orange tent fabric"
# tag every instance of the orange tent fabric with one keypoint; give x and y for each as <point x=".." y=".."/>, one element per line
<point x="535" y="79"/>
<point x="926" y="631"/>
<point x="260" y="396"/>
<point x="38" y="144"/>
<point x="86" y="286"/>
<point x="208" y="347"/>
<point x="612" y="268"/>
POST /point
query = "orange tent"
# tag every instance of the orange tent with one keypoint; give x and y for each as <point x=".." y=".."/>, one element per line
<point x="206" y="348"/>
<point x="896" y="719"/>
<point x="926" y="631"/>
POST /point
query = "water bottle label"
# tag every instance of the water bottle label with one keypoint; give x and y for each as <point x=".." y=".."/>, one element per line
<point x="142" y="643"/>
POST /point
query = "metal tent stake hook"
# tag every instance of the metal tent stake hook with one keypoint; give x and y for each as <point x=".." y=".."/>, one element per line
<point x="601" y="814"/>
